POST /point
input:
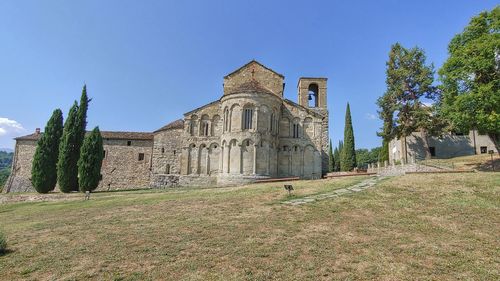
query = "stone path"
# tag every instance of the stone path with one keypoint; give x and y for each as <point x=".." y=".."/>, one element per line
<point x="368" y="183"/>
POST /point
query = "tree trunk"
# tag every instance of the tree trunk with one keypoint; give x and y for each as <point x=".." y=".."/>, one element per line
<point x="495" y="139"/>
<point x="423" y="135"/>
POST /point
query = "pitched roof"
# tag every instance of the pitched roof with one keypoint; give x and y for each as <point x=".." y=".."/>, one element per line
<point x="177" y="124"/>
<point x="252" y="86"/>
<point x="203" y="106"/>
<point x="104" y="134"/>
<point x="250" y="62"/>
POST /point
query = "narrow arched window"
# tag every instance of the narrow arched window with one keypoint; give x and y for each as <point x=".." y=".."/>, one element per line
<point x="167" y="169"/>
<point x="313" y="95"/>
<point x="247" y="118"/>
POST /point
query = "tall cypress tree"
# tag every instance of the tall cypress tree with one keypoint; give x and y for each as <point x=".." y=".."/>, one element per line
<point x="44" y="168"/>
<point x="67" y="172"/>
<point x="90" y="162"/>
<point x="336" y="157"/>
<point x="81" y="124"/>
<point x="331" y="159"/>
<point x="348" y="155"/>
<point x="338" y="160"/>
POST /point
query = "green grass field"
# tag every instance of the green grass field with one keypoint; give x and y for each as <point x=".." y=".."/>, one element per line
<point x="414" y="227"/>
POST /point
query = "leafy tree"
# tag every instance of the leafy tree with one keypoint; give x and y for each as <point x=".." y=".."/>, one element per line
<point x="384" y="151"/>
<point x="408" y="81"/>
<point x="89" y="164"/>
<point x="348" y="155"/>
<point x="44" y="168"/>
<point x="331" y="159"/>
<point x="365" y="156"/>
<point x="471" y="77"/>
<point x="67" y="172"/>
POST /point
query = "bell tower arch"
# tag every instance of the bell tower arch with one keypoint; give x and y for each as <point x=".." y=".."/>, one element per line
<point x="312" y="92"/>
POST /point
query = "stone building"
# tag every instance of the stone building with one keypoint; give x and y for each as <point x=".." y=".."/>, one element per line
<point x="251" y="132"/>
<point x="447" y="146"/>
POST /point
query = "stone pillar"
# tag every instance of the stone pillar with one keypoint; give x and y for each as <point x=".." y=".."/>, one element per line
<point x="207" y="162"/>
<point x="385" y="164"/>
<point x="268" y="166"/>
<point x="228" y="159"/>
<point x="302" y="163"/>
<point x="221" y="159"/>
<point x="185" y="161"/>
<point x="256" y="121"/>
<point x="255" y="159"/>
<point x="240" y="162"/>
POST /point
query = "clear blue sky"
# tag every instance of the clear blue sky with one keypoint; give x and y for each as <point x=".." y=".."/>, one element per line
<point x="147" y="62"/>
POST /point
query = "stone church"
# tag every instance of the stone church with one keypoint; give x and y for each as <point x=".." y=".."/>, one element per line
<point x="251" y="132"/>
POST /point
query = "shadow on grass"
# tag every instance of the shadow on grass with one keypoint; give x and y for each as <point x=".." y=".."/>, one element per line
<point x="489" y="166"/>
<point x="6" y="252"/>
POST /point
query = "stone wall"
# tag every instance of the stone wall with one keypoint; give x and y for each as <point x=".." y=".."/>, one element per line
<point x="122" y="168"/>
<point x="448" y="146"/>
<point x="20" y="177"/>
<point x="254" y="71"/>
<point x="167" y="151"/>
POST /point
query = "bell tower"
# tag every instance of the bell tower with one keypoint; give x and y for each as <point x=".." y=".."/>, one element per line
<point x="312" y="92"/>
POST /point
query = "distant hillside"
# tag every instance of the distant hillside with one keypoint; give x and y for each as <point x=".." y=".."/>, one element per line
<point x="5" y="164"/>
<point x="6" y="149"/>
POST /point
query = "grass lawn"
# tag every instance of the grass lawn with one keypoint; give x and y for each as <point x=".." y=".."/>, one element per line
<point x="437" y="226"/>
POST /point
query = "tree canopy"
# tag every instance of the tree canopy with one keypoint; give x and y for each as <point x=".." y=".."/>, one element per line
<point x="471" y="77"/>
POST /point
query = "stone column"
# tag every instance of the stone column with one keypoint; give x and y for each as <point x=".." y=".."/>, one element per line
<point x="207" y="162"/>
<point x="221" y="159"/>
<point x="268" y="166"/>
<point x="228" y="159"/>
<point x="256" y="121"/>
<point x="240" y="162"/>
<point x="255" y="159"/>
<point x="302" y="163"/>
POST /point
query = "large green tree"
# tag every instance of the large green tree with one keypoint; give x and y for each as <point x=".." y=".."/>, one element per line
<point x="90" y="162"/>
<point x="348" y="155"/>
<point x="44" y="167"/>
<point x="67" y="171"/>
<point x="409" y="80"/>
<point x="471" y="77"/>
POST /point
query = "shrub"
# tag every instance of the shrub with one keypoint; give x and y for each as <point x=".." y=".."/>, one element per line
<point x="3" y="243"/>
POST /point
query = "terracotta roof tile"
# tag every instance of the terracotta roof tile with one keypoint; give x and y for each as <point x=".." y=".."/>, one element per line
<point x="104" y="134"/>
<point x="177" y="124"/>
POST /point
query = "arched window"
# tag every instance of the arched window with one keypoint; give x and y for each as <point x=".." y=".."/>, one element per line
<point x="167" y="169"/>
<point x="271" y="125"/>
<point x="226" y="120"/>
<point x="247" y="118"/>
<point x="295" y="131"/>
<point x="313" y="95"/>
<point x="204" y="125"/>
<point x="296" y="128"/>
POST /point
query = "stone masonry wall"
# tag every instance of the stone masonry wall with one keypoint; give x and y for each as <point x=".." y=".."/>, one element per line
<point x="121" y="168"/>
<point x="20" y="178"/>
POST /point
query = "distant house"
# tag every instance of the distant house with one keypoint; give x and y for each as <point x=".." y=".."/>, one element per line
<point x="447" y="146"/>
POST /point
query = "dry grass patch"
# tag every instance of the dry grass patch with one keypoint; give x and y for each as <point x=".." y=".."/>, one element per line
<point x="411" y="227"/>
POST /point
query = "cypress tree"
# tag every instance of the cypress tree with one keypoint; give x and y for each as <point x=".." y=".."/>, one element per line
<point x="89" y="164"/>
<point x="67" y="172"/>
<point x="81" y="124"/>
<point x="336" y="157"/>
<point x="331" y="159"/>
<point x="44" y="168"/>
<point x="348" y="155"/>
<point x="339" y="158"/>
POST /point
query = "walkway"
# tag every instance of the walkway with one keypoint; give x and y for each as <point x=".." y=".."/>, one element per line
<point x="368" y="183"/>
